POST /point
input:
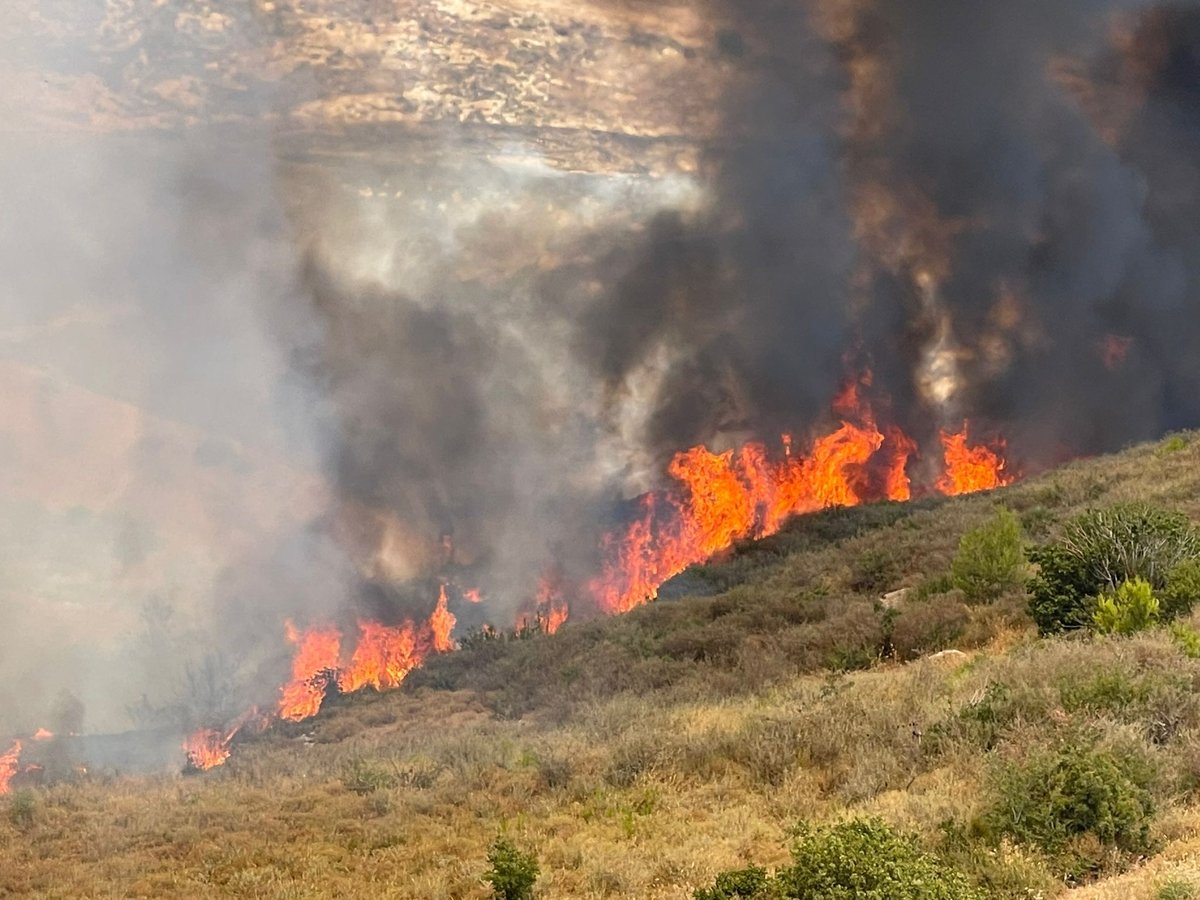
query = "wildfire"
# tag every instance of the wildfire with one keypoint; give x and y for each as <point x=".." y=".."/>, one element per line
<point x="724" y="497"/>
<point x="43" y="734"/>
<point x="970" y="469"/>
<point x="716" y="500"/>
<point x="207" y="748"/>
<point x="720" y="498"/>
<point x="552" y="605"/>
<point x="382" y="659"/>
<point x="442" y="622"/>
<point x="317" y="652"/>
<point x="8" y="766"/>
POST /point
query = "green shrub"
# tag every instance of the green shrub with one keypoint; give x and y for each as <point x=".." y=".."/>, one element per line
<point x="364" y="777"/>
<point x="1072" y="803"/>
<point x="512" y="873"/>
<point x="1182" y="589"/>
<point x="989" y="558"/>
<point x="1188" y="639"/>
<point x="865" y="859"/>
<point x="1172" y="444"/>
<point x="1098" y="552"/>
<point x="1130" y="608"/>
<point x="1175" y="890"/>
<point x="752" y="883"/>
<point x="923" y="627"/>
<point x="860" y="859"/>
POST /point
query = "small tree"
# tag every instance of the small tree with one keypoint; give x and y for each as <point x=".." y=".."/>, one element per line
<point x="1131" y="607"/>
<point x="989" y="558"/>
<point x="512" y="873"/>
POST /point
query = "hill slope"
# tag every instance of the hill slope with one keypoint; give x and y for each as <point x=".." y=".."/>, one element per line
<point x="639" y="756"/>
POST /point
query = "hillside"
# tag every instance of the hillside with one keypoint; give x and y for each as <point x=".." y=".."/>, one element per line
<point x="638" y="756"/>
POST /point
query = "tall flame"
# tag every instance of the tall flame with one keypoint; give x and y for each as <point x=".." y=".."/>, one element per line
<point x="382" y="659"/>
<point x="317" y="652"/>
<point x="442" y="623"/>
<point x="552" y="608"/>
<point x="8" y="766"/>
<point x="970" y="469"/>
<point x="720" y="498"/>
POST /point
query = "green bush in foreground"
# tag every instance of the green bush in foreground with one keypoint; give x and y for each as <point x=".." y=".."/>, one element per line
<point x="989" y="558"/>
<point x="1101" y="550"/>
<point x="860" y="859"/>
<point x="1130" y="608"/>
<point x="1081" y="807"/>
<point x="512" y="873"/>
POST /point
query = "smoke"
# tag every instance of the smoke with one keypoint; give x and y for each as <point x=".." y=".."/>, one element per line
<point x="272" y="364"/>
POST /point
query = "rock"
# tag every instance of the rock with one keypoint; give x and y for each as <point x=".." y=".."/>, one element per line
<point x="953" y="657"/>
<point x="893" y="599"/>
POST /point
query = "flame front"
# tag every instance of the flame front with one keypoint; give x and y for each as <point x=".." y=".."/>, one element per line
<point x="317" y="652"/>
<point x="716" y="500"/>
<point x="382" y="659"/>
<point x="724" y="497"/>
<point x="970" y="469"/>
<point x="8" y="766"/>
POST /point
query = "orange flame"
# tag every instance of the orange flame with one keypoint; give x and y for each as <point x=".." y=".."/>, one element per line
<point x="552" y="608"/>
<point x="898" y="486"/>
<point x="207" y="748"/>
<point x="472" y="595"/>
<point x="43" y="734"/>
<point x="442" y="623"/>
<point x="382" y="659"/>
<point x="970" y="469"/>
<point x="724" y="497"/>
<point x="317" y="652"/>
<point x="8" y="766"/>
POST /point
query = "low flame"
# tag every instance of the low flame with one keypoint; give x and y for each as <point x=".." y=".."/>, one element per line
<point x="8" y="766"/>
<point x="207" y="748"/>
<point x="970" y="469"/>
<point x="43" y="734"/>
<point x="553" y="610"/>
